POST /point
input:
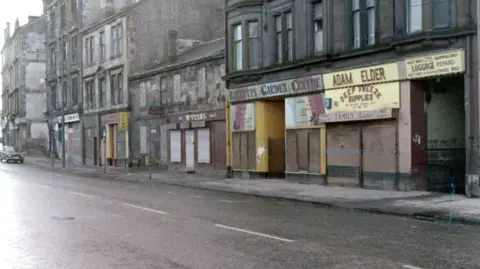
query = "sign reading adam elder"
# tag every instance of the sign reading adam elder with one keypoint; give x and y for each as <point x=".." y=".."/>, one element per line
<point x="364" y="97"/>
<point x="435" y="64"/>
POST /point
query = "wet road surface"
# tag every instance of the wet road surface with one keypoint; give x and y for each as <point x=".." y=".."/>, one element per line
<point x="56" y="221"/>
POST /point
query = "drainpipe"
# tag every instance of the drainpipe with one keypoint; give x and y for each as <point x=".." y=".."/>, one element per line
<point x="468" y="110"/>
<point x="227" y="102"/>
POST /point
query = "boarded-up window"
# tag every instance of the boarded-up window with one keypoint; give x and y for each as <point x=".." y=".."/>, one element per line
<point x="303" y="150"/>
<point x="120" y="149"/>
<point x="175" y="146"/>
<point x="203" y="145"/>
<point x="143" y="139"/>
<point x="243" y="151"/>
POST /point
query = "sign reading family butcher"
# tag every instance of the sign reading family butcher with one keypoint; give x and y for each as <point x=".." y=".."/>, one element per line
<point x="361" y="76"/>
<point x="435" y="64"/>
<point x="278" y="88"/>
<point x="364" y="97"/>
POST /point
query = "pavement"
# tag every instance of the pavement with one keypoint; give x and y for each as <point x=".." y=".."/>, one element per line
<point x="415" y="204"/>
<point x="60" y="220"/>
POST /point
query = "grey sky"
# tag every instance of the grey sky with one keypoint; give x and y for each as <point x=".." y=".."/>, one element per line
<point x="10" y="10"/>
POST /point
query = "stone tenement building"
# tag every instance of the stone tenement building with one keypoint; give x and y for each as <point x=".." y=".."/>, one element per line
<point x="370" y="94"/>
<point x="23" y="91"/>
<point x="126" y="41"/>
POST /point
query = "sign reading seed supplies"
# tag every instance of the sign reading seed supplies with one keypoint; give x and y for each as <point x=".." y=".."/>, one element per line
<point x="435" y="64"/>
<point x="243" y="117"/>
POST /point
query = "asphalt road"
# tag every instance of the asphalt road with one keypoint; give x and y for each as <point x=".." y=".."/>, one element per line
<point x="55" y="221"/>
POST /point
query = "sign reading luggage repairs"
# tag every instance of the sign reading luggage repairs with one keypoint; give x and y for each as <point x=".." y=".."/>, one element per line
<point x="278" y="88"/>
<point x="386" y="113"/>
<point x="364" y="97"/>
<point x="435" y="64"/>
<point x="361" y="76"/>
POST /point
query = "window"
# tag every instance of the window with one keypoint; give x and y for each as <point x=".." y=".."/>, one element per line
<point x="163" y="91"/>
<point x="64" y="93"/>
<point x="116" y="88"/>
<point x="318" y="26"/>
<point x="284" y="37"/>
<point x="102" y="46"/>
<point x="414" y="16"/>
<point x="63" y="19"/>
<point x="117" y="35"/>
<point x="74" y="90"/>
<point x="52" y="60"/>
<point x="441" y="13"/>
<point x="102" y="87"/>
<point x="59" y="95"/>
<point x="74" y="9"/>
<point x="74" y="49"/>
<point x="89" y="50"/>
<point x="90" y="94"/>
<point x="237" y="47"/>
<point x="253" y="45"/>
<point x="364" y="23"/>
<point x="52" y="22"/>
<point x="64" y="53"/>
<point x="53" y="94"/>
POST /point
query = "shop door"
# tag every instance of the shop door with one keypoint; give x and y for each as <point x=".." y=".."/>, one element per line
<point x="344" y="154"/>
<point x="379" y="155"/>
<point x="190" y="150"/>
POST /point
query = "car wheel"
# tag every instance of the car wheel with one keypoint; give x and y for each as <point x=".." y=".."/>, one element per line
<point x="21" y="161"/>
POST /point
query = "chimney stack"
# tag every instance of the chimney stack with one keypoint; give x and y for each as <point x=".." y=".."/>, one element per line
<point x="107" y="8"/>
<point x="17" y="25"/>
<point x="172" y="46"/>
<point x="31" y="18"/>
<point x="7" y="31"/>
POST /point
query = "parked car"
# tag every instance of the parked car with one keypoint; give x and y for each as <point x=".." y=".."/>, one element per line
<point x="9" y="154"/>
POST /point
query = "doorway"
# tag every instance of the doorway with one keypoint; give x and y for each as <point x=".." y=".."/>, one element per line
<point x="444" y="106"/>
<point x="190" y="150"/>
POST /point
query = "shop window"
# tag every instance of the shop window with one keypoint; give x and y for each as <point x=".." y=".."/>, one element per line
<point x="175" y="146"/>
<point x="244" y="151"/>
<point x="303" y="151"/>
<point x="203" y="145"/>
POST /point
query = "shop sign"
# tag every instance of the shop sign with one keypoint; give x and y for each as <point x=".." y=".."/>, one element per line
<point x="123" y="121"/>
<point x="279" y="88"/>
<point x="385" y="113"/>
<point x="304" y="110"/>
<point x="193" y="117"/>
<point x="111" y="118"/>
<point x="364" y="97"/>
<point x="218" y="114"/>
<point x="435" y="64"/>
<point x="156" y="110"/>
<point x="243" y="117"/>
<point x="361" y="76"/>
<point x="69" y="118"/>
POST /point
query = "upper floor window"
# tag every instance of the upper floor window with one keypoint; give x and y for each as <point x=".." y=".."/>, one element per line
<point x="90" y="94"/>
<point x="414" y="16"/>
<point x="74" y="90"/>
<point x="318" y="26"/>
<point x="74" y="46"/>
<point x="117" y="35"/>
<point x="102" y="46"/>
<point x="74" y="10"/>
<point x="441" y="13"/>
<point x="102" y="87"/>
<point x="64" y="52"/>
<point x="237" y="47"/>
<point x="363" y="19"/>
<point x="64" y="93"/>
<point x="116" y="88"/>
<point x="52" y="22"/>
<point x="63" y="17"/>
<point x="52" y="60"/>
<point x="284" y="37"/>
<point x="89" y="50"/>
<point x="253" y="44"/>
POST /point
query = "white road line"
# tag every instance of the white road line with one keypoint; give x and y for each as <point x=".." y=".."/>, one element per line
<point x="255" y="233"/>
<point x="411" y="267"/>
<point x="231" y="201"/>
<point x="44" y="186"/>
<point x="146" y="209"/>
<point x="82" y="194"/>
<point x="195" y="196"/>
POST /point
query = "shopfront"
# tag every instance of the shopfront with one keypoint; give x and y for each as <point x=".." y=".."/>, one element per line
<point x="114" y="146"/>
<point x="72" y="136"/>
<point x="268" y="126"/>
<point x="197" y="141"/>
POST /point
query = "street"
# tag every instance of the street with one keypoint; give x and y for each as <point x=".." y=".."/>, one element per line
<point x="50" y="220"/>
